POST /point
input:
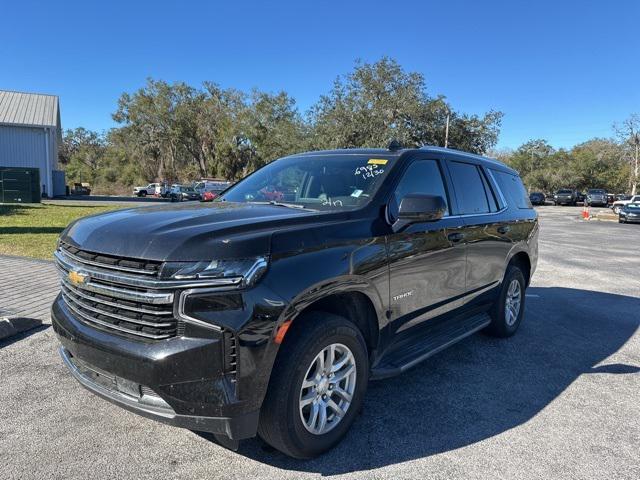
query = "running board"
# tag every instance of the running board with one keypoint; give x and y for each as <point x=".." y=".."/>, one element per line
<point x="428" y="342"/>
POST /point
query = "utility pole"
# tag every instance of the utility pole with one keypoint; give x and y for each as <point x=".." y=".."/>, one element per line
<point x="636" y="143"/>
<point x="446" y="136"/>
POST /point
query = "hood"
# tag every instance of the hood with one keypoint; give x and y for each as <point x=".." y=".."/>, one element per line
<point x="190" y="232"/>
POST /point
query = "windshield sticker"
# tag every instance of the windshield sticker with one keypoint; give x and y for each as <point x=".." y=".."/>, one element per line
<point x="356" y="193"/>
<point x="377" y="161"/>
<point x="369" y="171"/>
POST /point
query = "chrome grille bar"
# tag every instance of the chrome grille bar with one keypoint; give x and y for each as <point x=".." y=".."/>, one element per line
<point x="77" y="292"/>
<point x="139" y="282"/>
<point x="69" y="297"/>
<point x="116" y="327"/>
<point x="124" y="294"/>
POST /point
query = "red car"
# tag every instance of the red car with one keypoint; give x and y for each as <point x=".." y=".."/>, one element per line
<point x="209" y="196"/>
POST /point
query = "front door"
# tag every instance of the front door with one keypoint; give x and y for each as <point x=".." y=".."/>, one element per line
<point x="426" y="260"/>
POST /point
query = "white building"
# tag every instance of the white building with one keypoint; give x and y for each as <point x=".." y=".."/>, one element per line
<point x="30" y="133"/>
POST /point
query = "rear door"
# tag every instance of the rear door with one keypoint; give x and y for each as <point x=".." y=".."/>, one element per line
<point x="487" y="229"/>
<point x="426" y="260"/>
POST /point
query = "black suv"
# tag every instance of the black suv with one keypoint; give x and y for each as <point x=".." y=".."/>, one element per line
<point x="565" y="196"/>
<point x="268" y="310"/>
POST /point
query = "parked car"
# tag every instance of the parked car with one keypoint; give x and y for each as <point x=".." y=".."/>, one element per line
<point x="619" y="204"/>
<point x="208" y="197"/>
<point x="630" y="213"/>
<point x="181" y="193"/>
<point x="596" y="197"/>
<point x="259" y="316"/>
<point x="209" y="190"/>
<point x="215" y="186"/>
<point x="537" y="198"/>
<point x="565" y="196"/>
<point x="81" y="189"/>
<point x="151" y="189"/>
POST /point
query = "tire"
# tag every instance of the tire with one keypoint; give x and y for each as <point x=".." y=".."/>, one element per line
<point x="281" y="417"/>
<point x="500" y="325"/>
<point x="143" y="194"/>
<point x="616" y="210"/>
<point x="621" y="220"/>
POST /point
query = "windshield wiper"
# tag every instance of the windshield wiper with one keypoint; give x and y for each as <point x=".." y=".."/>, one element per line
<point x="280" y="204"/>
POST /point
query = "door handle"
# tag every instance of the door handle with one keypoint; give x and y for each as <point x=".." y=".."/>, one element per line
<point x="504" y="229"/>
<point x="455" y="237"/>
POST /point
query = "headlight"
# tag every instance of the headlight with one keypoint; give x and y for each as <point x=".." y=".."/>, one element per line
<point x="249" y="269"/>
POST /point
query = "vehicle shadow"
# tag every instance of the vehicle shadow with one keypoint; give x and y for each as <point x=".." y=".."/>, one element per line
<point x="38" y="327"/>
<point x="482" y="386"/>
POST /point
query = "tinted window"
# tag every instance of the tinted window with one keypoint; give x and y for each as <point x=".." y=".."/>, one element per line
<point x="469" y="187"/>
<point x="322" y="181"/>
<point x="422" y="176"/>
<point x="512" y="188"/>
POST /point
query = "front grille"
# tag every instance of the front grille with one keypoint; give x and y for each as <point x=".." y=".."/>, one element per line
<point x="111" y="262"/>
<point x="114" y="301"/>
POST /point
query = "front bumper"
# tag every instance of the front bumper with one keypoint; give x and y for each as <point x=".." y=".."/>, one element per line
<point x="630" y="219"/>
<point x="179" y="381"/>
<point x="149" y="405"/>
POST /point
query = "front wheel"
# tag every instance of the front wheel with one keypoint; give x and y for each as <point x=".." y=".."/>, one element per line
<point x="507" y="312"/>
<point x="317" y="386"/>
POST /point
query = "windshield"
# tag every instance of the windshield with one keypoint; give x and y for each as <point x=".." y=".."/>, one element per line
<point x="565" y="191"/>
<point x="600" y="192"/>
<point x="633" y="206"/>
<point x="322" y="182"/>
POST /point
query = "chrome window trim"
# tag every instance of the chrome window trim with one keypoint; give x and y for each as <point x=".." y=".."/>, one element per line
<point x="104" y="265"/>
<point x="143" y="282"/>
<point x="498" y="189"/>
<point x="502" y="210"/>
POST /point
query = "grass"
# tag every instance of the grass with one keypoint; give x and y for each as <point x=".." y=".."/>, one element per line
<point x="32" y="230"/>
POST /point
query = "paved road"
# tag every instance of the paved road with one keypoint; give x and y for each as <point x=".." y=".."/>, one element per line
<point x="559" y="400"/>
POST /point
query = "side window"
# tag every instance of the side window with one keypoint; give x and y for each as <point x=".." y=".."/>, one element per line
<point x="422" y="176"/>
<point x="470" y="188"/>
<point x="512" y="188"/>
<point x="493" y="201"/>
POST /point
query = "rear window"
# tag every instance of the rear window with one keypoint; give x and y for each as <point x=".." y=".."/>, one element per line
<point x="512" y="188"/>
<point x="470" y="189"/>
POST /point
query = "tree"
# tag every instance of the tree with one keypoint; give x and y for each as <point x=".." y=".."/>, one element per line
<point x="629" y="135"/>
<point x="82" y="153"/>
<point x="380" y="101"/>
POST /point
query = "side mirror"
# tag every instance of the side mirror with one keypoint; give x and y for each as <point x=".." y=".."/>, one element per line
<point x="418" y="208"/>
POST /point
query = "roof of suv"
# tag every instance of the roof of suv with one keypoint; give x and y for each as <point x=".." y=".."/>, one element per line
<point x="449" y="152"/>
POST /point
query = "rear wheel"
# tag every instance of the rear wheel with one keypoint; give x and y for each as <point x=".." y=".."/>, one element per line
<point x="507" y="312"/>
<point x="317" y="386"/>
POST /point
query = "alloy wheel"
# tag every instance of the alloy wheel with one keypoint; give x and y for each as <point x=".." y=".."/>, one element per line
<point x="327" y="389"/>
<point x="512" y="302"/>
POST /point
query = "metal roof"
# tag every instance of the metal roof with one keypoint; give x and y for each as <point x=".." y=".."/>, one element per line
<point x="29" y="109"/>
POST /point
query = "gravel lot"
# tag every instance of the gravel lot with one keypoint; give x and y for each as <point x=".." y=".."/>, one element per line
<point x="559" y="400"/>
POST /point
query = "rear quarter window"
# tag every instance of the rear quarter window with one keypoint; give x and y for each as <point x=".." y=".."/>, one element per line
<point x="512" y="188"/>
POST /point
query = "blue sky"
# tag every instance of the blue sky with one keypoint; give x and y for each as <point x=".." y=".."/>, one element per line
<point x="559" y="70"/>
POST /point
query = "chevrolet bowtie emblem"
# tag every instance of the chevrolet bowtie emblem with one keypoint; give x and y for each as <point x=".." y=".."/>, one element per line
<point x="78" y="278"/>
